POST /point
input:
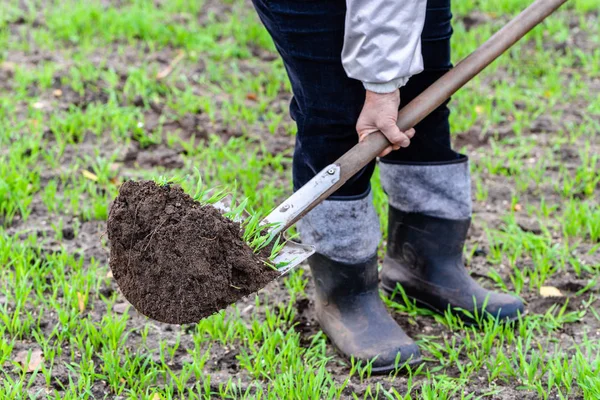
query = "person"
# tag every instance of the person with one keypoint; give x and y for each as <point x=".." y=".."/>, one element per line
<point x="350" y="64"/>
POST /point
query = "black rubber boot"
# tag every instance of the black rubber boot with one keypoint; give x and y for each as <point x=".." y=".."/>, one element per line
<point x="424" y="256"/>
<point x="353" y="316"/>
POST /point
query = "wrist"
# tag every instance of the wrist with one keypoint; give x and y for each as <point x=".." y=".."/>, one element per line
<point x="379" y="96"/>
<point x="386" y="87"/>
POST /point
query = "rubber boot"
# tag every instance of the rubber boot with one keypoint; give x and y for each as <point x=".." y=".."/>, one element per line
<point x="429" y="216"/>
<point x="424" y="256"/>
<point x="353" y="316"/>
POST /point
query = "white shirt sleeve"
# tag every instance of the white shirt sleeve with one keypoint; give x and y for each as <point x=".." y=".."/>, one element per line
<point x="382" y="42"/>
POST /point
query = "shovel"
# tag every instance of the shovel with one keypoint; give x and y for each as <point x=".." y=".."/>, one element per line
<point x="335" y="175"/>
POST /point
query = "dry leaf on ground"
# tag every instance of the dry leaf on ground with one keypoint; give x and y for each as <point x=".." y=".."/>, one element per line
<point x="550" y="291"/>
<point x="81" y="301"/>
<point x="31" y="363"/>
<point x="167" y="71"/>
<point x="89" y="175"/>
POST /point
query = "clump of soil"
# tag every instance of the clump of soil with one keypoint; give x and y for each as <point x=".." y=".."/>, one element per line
<point x="176" y="260"/>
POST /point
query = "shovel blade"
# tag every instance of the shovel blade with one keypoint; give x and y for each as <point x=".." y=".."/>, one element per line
<point x="291" y="255"/>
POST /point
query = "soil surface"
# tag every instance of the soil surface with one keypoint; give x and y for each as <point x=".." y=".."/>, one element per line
<point x="84" y="237"/>
<point x="176" y="260"/>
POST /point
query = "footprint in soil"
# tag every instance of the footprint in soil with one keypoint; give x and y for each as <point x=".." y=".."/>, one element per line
<point x="153" y="156"/>
<point x="228" y="361"/>
<point x="304" y="322"/>
<point x="568" y="286"/>
<point x="540" y="305"/>
<point x="68" y="233"/>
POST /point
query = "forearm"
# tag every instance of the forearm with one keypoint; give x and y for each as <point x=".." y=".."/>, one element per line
<point x="382" y="42"/>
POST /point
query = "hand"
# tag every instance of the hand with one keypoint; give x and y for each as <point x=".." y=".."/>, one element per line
<point x="380" y="113"/>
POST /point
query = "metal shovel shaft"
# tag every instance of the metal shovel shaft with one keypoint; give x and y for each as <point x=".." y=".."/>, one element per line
<point x="335" y="175"/>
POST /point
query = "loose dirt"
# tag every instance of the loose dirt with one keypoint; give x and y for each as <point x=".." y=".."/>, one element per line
<point x="176" y="260"/>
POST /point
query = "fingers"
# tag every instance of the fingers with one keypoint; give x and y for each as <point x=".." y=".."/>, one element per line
<point x="362" y="135"/>
<point x="387" y="151"/>
<point x="396" y="137"/>
<point x="403" y="136"/>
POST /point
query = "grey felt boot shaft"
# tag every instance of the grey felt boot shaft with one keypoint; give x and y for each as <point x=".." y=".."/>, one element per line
<point x="346" y="231"/>
<point x="440" y="189"/>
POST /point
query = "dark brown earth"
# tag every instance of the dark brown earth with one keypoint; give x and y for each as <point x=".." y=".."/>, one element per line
<point x="176" y="260"/>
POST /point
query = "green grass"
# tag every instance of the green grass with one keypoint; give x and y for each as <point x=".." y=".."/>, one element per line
<point x="79" y="95"/>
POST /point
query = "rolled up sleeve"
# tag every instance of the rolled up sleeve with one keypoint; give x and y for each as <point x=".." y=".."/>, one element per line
<point x="382" y="42"/>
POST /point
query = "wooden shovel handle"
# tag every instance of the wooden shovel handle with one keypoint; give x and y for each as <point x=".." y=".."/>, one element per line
<point x="411" y="114"/>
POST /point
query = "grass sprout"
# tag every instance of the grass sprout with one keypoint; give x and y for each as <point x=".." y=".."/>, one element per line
<point x="87" y="101"/>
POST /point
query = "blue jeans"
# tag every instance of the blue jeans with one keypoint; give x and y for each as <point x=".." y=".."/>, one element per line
<point x="309" y="36"/>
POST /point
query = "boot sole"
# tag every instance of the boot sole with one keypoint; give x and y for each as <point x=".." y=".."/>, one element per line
<point x="423" y="304"/>
<point x="379" y="370"/>
<point x="392" y="368"/>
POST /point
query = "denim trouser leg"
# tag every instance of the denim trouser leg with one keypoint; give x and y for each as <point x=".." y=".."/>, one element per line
<point x="309" y="36"/>
<point x="326" y="104"/>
